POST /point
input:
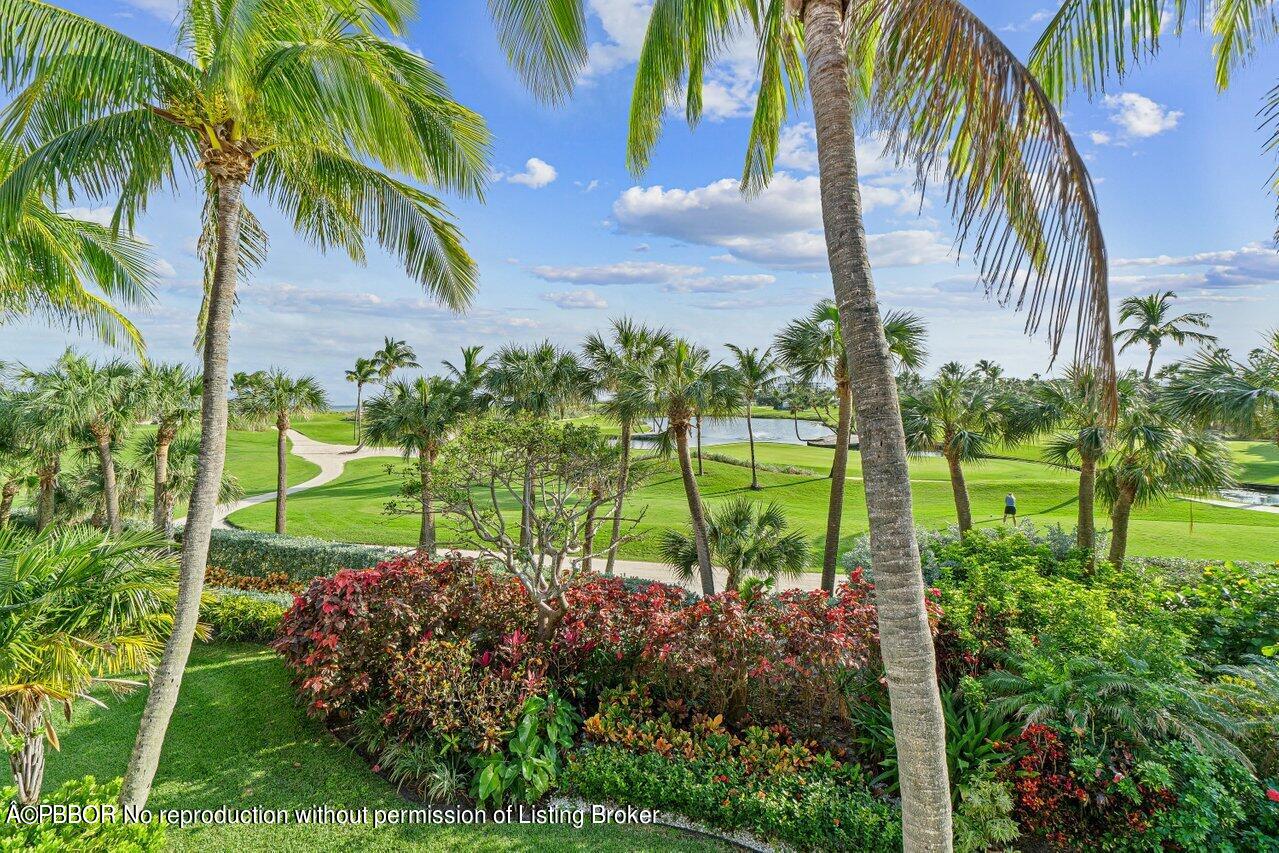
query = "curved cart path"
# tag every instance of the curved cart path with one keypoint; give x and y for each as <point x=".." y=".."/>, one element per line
<point x="332" y="459"/>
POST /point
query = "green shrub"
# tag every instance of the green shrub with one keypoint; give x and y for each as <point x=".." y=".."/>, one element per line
<point x="95" y="832"/>
<point x="243" y="615"/>
<point x="531" y="764"/>
<point x="247" y="552"/>
<point x="818" y="815"/>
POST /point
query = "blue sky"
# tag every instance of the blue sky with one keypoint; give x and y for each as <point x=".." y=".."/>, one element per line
<point x="568" y="238"/>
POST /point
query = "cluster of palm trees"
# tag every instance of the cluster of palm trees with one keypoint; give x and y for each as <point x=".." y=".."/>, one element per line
<point x="378" y="368"/>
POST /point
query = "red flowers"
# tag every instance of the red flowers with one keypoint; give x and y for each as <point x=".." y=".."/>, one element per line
<point x="1272" y="795"/>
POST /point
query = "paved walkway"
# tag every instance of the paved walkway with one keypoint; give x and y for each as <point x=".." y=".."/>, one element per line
<point x="332" y="458"/>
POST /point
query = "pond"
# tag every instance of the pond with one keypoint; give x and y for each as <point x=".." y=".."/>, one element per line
<point x="732" y="430"/>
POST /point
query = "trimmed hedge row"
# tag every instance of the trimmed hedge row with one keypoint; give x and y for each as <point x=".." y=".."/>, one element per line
<point x="248" y="552"/>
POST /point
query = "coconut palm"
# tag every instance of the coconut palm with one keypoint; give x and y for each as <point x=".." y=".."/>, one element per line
<point x="471" y="369"/>
<point x="1155" y="322"/>
<point x="813" y="349"/>
<point x="417" y="417"/>
<point x="171" y="394"/>
<point x="392" y="356"/>
<point x="81" y="608"/>
<point x="630" y="348"/>
<point x="958" y="416"/>
<point x="753" y="374"/>
<point x="57" y="267"/>
<point x="991" y="370"/>
<point x="309" y="104"/>
<point x="681" y="384"/>
<point x="1156" y="457"/>
<point x="747" y="539"/>
<point x="277" y="399"/>
<point x="364" y="372"/>
<point x="1213" y="386"/>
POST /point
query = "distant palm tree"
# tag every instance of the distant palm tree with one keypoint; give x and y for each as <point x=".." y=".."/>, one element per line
<point x="278" y="398"/>
<point x="180" y="471"/>
<point x="171" y="395"/>
<point x="680" y="385"/>
<point x="49" y="261"/>
<point x="1156" y="323"/>
<point x="747" y="539"/>
<point x="392" y="356"/>
<point x="470" y="370"/>
<point x="309" y="104"/>
<point x="417" y="417"/>
<point x="989" y="369"/>
<point x="1244" y="395"/>
<point x="753" y="374"/>
<point x="958" y="416"/>
<point x="813" y="349"/>
<point x="630" y="348"/>
<point x="364" y="372"/>
<point x="15" y="459"/>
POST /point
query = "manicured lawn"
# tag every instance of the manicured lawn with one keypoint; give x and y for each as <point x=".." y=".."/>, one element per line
<point x="350" y="508"/>
<point x="1258" y="461"/>
<point x="237" y="738"/>
<point x="251" y="459"/>
<point x="329" y="427"/>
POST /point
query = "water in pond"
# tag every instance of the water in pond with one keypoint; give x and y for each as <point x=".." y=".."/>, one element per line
<point x="778" y="430"/>
<point x="1251" y="498"/>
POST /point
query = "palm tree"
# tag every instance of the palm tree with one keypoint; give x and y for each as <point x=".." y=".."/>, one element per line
<point x="277" y="399"/>
<point x="310" y="105"/>
<point x="49" y="261"/>
<point x="813" y="349"/>
<point x="15" y="461"/>
<point x="1155" y="322"/>
<point x="172" y="398"/>
<point x="991" y="370"/>
<point x="364" y="372"/>
<point x="418" y="417"/>
<point x="180" y="470"/>
<point x="392" y="356"/>
<point x="631" y="347"/>
<point x="1154" y="458"/>
<point x="1215" y="387"/>
<point x="753" y="374"/>
<point x="471" y="369"/>
<point x="681" y="384"/>
<point x="747" y="539"/>
<point x="959" y="417"/>
<point x="81" y="609"/>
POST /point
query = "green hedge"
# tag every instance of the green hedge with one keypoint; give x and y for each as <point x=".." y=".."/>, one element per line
<point x="247" y="552"/>
<point x="241" y="615"/>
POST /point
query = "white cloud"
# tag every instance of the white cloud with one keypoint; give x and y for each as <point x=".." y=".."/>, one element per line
<point x="1252" y="266"/>
<point x="570" y="299"/>
<point x="98" y="215"/>
<point x="1039" y="17"/>
<point x="1138" y="117"/>
<point x="720" y="284"/>
<point x="625" y="272"/>
<point x="163" y="268"/>
<point x="537" y="174"/>
<point x="1100" y="137"/>
<point x="166" y="10"/>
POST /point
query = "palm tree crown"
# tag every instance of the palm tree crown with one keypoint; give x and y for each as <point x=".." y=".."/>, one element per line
<point x="1154" y="323"/>
<point x="747" y="539"/>
<point x="392" y="356"/>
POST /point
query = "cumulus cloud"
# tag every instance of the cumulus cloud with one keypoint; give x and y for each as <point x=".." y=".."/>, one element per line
<point x="624" y="272"/>
<point x="537" y="174"/>
<point x="1039" y="17"/>
<point x="1252" y="266"/>
<point x="1137" y="117"/>
<point x="720" y="284"/>
<point x="576" y="299"/>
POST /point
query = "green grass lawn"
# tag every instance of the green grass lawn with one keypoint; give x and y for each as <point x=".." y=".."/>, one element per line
<point x="250" y="457"/>
<point x="329" y="427"/>
<point x="237" y="738"/>
<point x="1258" y="461"/>
<point x="350" y="508"/>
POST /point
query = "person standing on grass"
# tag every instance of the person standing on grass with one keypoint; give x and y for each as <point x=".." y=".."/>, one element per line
<point x="1010" y="507"/>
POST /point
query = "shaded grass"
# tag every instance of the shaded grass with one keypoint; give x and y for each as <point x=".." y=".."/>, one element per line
<point x="1258" y="461"/>
<point x="237" y="738"/>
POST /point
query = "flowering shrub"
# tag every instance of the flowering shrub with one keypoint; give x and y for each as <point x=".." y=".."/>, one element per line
<point x="270" y="582"/>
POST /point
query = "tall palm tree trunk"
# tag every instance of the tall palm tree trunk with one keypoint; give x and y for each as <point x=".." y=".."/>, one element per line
<point x="700" y="469"/>
<point x="426" y="535"/>
<point x="695" y="510"/>
<point x="281" y="475"/>
<point x="795" y="423"/>
<point x="7" y="494"/>
<point x="110" y="492"/>
<point x="160" y="518"/>
<point x="1150" y="362"/>
<point x="963" y="507"/>
<point x="905" y="637"/>
<point x="838" y="480"/>
<point x="167" y="678"/>
<point x="47" y="502"/>
<point x="1119" y="516"/>
<point x="27" y="761"/>
<point x="750" y="435"/>
<point x="1085" y="526"/>
<point x="622" y="475"/>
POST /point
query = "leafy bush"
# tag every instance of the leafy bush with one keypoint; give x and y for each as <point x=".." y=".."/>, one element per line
<point x="247" y="552"/>
<point x="89" y="834"/>
<point x="532" y="762"/>
<point x="1231" y="609"/>
<point x="241" y="615"/>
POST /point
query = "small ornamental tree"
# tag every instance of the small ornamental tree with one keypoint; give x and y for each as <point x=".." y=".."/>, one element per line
<point x="482" y="481"/>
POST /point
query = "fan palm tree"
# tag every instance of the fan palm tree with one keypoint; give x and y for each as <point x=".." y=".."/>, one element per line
<point x="1213" y="386"/>
<point x="81" y="608"/>
<point x="364" y="372"/>
<point x="277" y="399"/>
<point x="310" y="105"/>
<point x="813" y="349"/>
<point x="417" y="417"/>
<point x="681" y="384"/>
<point x="958" y="416"/>
<point x="183" y="456"/>
<point x="630" y="348"/>
<point x="1155" y="457"/>
<point x="747" y="538"/>
<point x="753" y="374"/>
<point x="15" y="461"/>
<point x="1155" y="323"/>
<point x="172" y="397"/>
<point x="51" y="264"/>
<point x="392" y="356"/>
